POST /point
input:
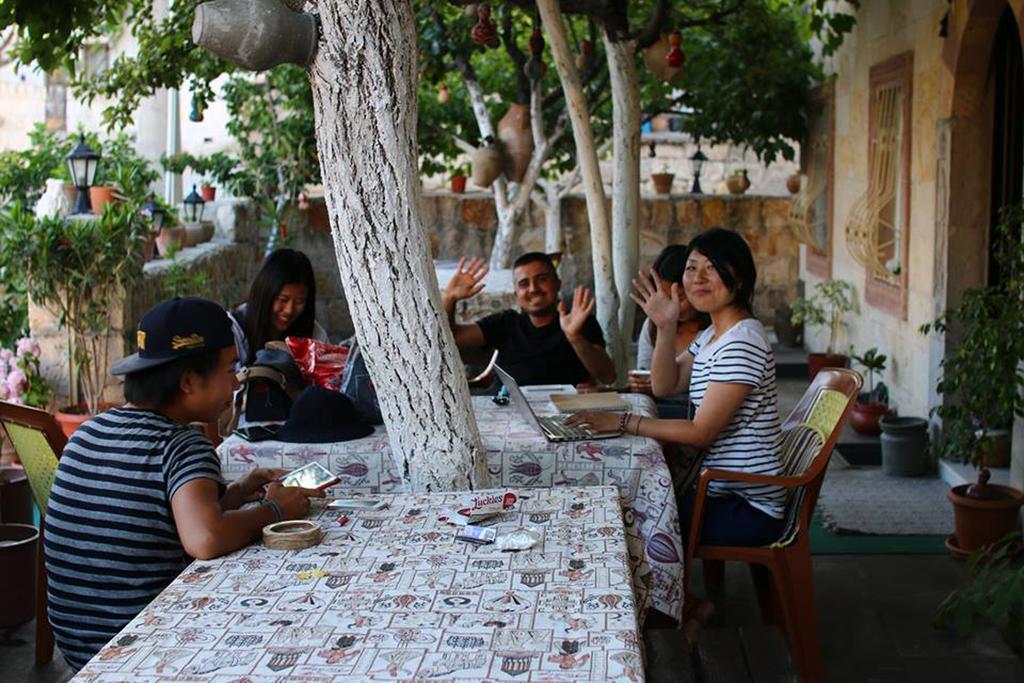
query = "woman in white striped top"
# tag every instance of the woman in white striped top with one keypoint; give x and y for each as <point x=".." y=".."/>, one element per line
<point x="730" y="371"/>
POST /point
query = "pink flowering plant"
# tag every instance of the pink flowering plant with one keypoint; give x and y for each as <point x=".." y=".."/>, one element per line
<point x="20" y="379"/>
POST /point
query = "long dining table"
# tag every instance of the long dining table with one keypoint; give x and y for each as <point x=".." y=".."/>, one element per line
<point x="519" y="457"/>
<point x="392" y="595"/>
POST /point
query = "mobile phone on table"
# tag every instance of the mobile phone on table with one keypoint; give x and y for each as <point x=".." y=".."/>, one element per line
<point x="357" y="504"/>
<point x="311" y="476"/>
<point x="476" y="534"/>
<point x="257" y="432"/>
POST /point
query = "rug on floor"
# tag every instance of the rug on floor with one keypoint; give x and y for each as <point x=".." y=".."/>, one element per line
<point x="863" y="500"/>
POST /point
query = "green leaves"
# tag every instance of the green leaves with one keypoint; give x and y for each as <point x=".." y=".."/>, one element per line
<point x="980" y="374"/>
<point x="831" y="301"/>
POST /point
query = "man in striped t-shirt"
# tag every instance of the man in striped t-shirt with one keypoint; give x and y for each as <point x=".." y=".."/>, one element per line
<point x="729" y="370"/>
<point x="138" y="491"/>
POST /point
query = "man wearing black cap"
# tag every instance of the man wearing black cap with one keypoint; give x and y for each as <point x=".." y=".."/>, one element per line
<point x="137" y="491"/>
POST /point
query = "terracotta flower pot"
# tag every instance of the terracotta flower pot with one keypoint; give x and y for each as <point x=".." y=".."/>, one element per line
<point x="193" y="234"/>
<point x="149" y="249"/>
<point x="982" y="522"/>
<point x="514" y="131"/>
<point x="663" y="182"/>
<point x="459" y="183"/>
<point x="100" y="196"/>
<point x="793" y="183"/>
<point x="488" y="162"/>
<point x="71" y="418"/>
<point x="817" y="361"/>
<point x="170" y="238"/>
<point x="865" y="416"/>
<point x="208" y="193"/>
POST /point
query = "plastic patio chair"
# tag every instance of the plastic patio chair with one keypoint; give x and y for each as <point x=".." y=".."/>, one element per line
<point x="38" y="440"/>
<point x="782" y="571"/>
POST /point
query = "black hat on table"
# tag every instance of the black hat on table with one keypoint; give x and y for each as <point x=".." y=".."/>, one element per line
<point x="175" y="329"/>
<point x="320" y="415"/>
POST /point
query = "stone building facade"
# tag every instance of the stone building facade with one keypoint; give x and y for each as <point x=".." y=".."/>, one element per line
<point x="928" y="78"/>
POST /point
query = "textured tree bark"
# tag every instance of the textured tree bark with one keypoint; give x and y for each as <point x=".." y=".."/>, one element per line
<point x="625" y="83"/>
<point x="364" y="88"/>
<point x="597" y="211"/>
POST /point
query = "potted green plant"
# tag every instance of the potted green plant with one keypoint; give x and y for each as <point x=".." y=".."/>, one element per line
<point x="663" y="180"/>
<point x="982" y="388"/>
<point x="832" y="300"/>
<point x="75" y="268"/>
<point x="871" y="405"/>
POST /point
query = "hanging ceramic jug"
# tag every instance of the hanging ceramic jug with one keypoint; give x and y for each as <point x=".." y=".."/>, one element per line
<point x="655" y="58"/>
<point x="514" y="131"/>
<point x="488" y="162"/>
<point x="255" y="34"/>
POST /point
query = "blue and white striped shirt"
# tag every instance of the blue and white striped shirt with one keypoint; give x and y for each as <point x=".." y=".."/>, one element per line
<point x="111" y="543"/>
<point x="751" y="441"/>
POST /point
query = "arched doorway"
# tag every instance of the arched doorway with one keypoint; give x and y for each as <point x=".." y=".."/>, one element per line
<point x="1006" y="71"/>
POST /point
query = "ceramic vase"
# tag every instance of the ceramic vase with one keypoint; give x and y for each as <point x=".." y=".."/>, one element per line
<point x="514" y="132"/>
<point x="487" y="161"/>
<point x="255" y="34"/>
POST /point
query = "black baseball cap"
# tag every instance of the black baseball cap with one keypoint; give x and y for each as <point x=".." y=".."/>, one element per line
<point x="175" y="329"/>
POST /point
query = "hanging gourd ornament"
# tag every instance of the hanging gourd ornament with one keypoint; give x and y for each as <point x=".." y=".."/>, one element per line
<point x="657" y="59"/>
<point x="443" y="96"/>
<point x="583" y="58"/>
<point x="535" y="68"/>
<point x="485" y="32"/>
<point x="470" y="10"/>
<point x="674" y="57"/>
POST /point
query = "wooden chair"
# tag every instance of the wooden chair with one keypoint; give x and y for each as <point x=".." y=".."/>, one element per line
<point x="782" y="571"/>
<point x="38" y="441"/>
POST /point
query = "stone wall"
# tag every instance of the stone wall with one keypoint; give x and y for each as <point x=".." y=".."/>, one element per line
<point x="229" y="262"/>
<point x="464" y="225"/>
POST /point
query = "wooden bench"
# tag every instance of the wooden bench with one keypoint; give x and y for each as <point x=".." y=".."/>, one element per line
<point x="748" y="654"/>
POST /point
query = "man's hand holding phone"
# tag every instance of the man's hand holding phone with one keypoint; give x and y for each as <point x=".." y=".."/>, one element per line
<point x="292" y="500"/>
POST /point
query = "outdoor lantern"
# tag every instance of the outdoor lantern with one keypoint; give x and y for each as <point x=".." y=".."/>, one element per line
<point x="156" y="213"/>
<point x="697" y="165"/>
<point x="193" y="206"/>
<point x="83" y="162"/>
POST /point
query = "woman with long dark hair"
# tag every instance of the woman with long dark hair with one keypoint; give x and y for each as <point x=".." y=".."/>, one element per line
<point x="281" y="303"/>
<point x="730" y="372"/>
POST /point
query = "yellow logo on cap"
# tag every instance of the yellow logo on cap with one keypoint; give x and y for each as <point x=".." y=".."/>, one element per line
<point x="140" y="339"/>
<point x="193" y="341"/>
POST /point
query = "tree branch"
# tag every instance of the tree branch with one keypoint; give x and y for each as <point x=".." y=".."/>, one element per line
<point x="649" y="34"/>
<point x="516" y="55"/>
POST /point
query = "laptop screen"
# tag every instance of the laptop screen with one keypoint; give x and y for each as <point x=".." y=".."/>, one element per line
<point x="518" y="400"/>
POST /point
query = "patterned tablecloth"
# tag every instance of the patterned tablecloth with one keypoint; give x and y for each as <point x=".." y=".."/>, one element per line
<point x="519" y="457"/>
<point x="392" y="596"/>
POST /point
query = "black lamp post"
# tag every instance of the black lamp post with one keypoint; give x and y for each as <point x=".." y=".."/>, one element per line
<point x="697" y="165"/>
<point x="83" y="162"/>
<point x="193" y="206"/>
<point x="156" y="213"/>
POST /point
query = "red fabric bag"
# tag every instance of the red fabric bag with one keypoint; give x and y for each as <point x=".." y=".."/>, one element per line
<point x="320" y="363"/>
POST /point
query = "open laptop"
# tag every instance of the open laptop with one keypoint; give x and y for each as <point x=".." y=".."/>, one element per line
<point x="552" y="427"/>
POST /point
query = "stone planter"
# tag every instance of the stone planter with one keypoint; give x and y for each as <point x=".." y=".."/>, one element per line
<point x="18" y="558"/>
<point x="904" y="446"/>
<point x="663" y="182"/>
<point x="170" y="239"/>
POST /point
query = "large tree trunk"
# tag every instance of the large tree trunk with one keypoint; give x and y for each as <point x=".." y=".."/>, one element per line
<point x="626" y="183"/>
<point x="586" y="151"/>
<point x="364" y="88"/>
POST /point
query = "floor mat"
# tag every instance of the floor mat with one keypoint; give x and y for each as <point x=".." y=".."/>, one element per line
<point x="824" y="542"/>
<point x="863" y="500"/>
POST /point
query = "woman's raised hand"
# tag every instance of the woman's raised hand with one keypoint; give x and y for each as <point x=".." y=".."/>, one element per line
<point x="659" y="301"/>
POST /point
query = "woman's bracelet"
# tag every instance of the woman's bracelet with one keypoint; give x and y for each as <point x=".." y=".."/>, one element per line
<point x="636" y="430"/>
<point x="624" y="421"/>
<point x="275" y="507"/>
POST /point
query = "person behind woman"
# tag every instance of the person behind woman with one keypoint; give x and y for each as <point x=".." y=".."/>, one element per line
<point x="669" y="266"/>
<point x="730" y="371"/>
<point x="281" y="303"/>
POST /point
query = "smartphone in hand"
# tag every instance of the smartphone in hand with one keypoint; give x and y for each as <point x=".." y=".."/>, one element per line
<point x="311" y="476"/>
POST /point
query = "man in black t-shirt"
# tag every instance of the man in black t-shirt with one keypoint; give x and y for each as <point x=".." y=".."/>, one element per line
<point x="546" y="343"/>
